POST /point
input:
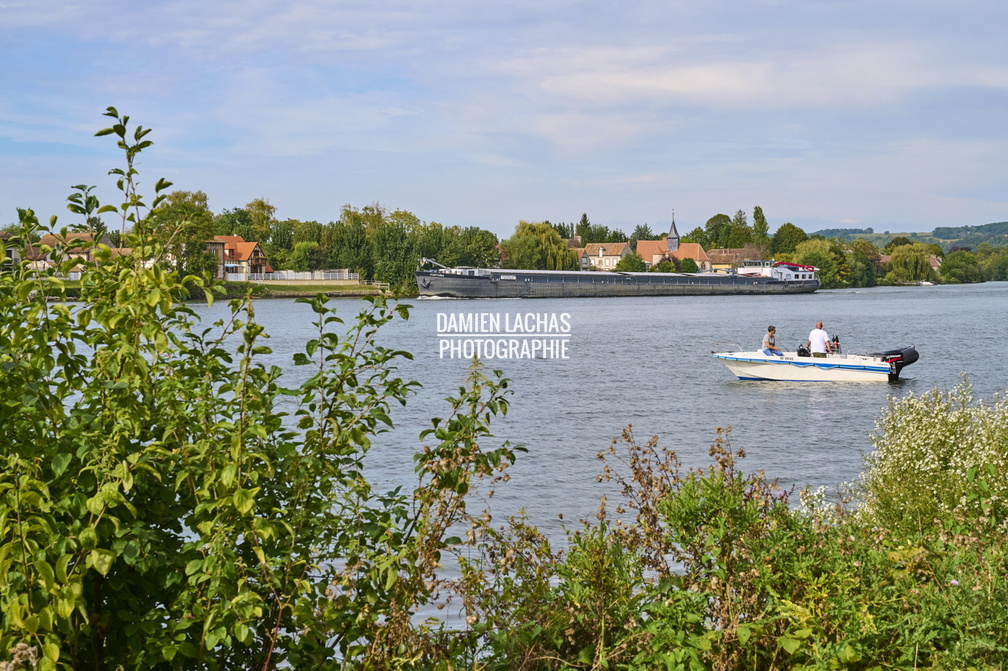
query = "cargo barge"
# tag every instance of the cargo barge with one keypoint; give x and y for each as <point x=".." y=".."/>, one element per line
<point x="754" y="278"/>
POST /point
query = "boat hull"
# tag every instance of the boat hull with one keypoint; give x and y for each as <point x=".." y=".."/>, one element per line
<point x="587" y="284"/>
<point x="832" y="368"/>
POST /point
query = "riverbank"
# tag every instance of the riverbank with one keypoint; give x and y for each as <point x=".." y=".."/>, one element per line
<point x="307" y="289"/>
<point x="280" y="289"/>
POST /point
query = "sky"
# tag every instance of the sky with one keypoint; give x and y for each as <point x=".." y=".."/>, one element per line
<point x="889" y="114"/>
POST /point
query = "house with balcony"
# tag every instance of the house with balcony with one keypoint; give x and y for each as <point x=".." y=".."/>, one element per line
<point x="238" y="260"/>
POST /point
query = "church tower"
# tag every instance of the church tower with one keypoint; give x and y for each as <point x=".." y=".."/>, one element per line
<point x="673" y="236"/>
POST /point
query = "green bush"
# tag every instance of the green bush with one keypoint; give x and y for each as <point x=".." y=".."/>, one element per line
<point x="715" y="569"/>
<point x="925" y="448"/>
<point x="166" y="503"/>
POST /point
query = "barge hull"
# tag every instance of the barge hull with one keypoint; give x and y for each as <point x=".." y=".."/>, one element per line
<point x="559" y="284"/>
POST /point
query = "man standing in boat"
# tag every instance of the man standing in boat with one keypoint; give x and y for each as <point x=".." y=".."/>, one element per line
<point x="819" y="341"/>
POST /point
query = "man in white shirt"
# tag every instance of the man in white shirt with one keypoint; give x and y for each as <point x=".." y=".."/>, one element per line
<point x="819" y="341"/>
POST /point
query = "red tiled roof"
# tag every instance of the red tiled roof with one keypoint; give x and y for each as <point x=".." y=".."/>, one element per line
<point x="608" y="248"/>
<point x="652" y="250"/>
<point x="691" y="250"/>
<point x="236" y="248"/>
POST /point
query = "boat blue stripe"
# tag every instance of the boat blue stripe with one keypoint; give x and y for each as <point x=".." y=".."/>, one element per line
<point x="806" y="364"/>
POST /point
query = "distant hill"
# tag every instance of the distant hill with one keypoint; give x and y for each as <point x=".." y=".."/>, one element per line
<point x="995" y="234"/>
<point x="877" y="239"/>
<point x="970" y="236"/>
<point x="960" y="232"/>
<point x="845" y="233"/>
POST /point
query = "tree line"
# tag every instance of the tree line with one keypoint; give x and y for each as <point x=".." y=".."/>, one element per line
<point x="387" y="246"/>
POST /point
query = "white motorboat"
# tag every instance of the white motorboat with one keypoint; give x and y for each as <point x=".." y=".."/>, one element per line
<point x="801" y="367"/>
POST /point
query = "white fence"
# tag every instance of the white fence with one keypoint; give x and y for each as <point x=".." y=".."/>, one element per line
<point x="291" y="276"/>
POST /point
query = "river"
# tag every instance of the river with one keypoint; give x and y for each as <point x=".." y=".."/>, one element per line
<point x="646" y="362"/>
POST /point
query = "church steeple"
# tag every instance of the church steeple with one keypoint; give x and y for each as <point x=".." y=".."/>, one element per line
<point x="673" y="236"/>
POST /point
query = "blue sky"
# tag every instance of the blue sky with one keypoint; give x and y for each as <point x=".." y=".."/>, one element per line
<point x="891" y="114"/>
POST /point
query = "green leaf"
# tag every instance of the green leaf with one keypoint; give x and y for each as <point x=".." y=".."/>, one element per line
<point x="243" y="633"/>
<point x="102" y="560"/>
<point x="61" y="567"/>
<point x="391" y="577"/>
<point x="743" y="633"/>
<point x="88" y="538"/>
<point x="228" y="475"/>
<point x="60" y="463"/>
<point x="96" y="504"/>
<point x="65" y="606"/>
<point x="46" y="574"/>
<point x="51" y="652"/>
<point x="244" y="499"/>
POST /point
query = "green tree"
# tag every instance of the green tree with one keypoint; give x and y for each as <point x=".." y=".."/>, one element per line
<point x="895" y="242"/>
<point x="718" y="229"/>
<point x="631" y="263"/>
<point x="993" y="260"/>
<point x="786" y="239"/>
<point x="590" y="232"/>
<point x="688" y="265"/>
<point x="306" y="256"/>
<point x="641" y="232"/>
<point x="760" y="231"/>
<point x="739" y="234"/>
<point x="431" y="240"/>
<point x="307" y="231"/>
<point x="862" y="259"/>
<point x="234" y="222"/>
<point x="819" y="253"/>
<point x="537" y="246"/>
<point x="565" y="231"/>
<point x="700" y="237"/>
<point x="182" y="226"/>
<point x="997" y="269"/>
<point x="351" y="246"/>
<point x="394" y="259"/>
<point x="666" y="265"/>
<point x="262" y="217"/>
<point x="910" y="263"/>
<point x="282" y="236"/>
<point x="961" y="267"/>
<point x="474" y="247"/>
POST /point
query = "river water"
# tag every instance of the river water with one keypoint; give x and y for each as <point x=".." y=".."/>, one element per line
<point x="646" y="362"/>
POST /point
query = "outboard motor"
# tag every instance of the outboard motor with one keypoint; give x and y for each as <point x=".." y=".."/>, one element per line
<point x="835" y="343"/>
<point x="898" y="359"/>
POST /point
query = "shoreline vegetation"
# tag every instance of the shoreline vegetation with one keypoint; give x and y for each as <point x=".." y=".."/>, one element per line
<point x="386" y="247"/>
<point x="329" y="288"/>
<point x="165" y="503"/>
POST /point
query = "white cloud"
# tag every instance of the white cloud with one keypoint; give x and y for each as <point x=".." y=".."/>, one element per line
<point x="828" y="110"/>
